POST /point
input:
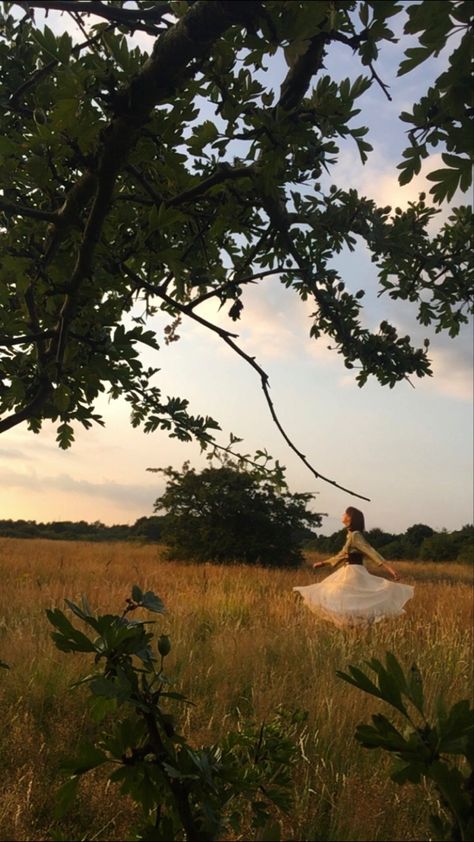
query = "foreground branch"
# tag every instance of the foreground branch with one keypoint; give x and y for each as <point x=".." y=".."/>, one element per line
<point x="228" y="339"/>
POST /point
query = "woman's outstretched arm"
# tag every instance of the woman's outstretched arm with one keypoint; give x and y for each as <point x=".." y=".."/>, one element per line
<point x="360" y="543"/>
<point x="335" y="559"/>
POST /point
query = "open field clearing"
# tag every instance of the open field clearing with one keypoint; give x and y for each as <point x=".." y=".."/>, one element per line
<point x="242" y="645"/>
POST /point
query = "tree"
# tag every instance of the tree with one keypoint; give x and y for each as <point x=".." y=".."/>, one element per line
<point x="227" y="514"/>
<point x="121" y="199"/>
<point x="441" y="546"/>
<point x="147" y="528"/>
<point x="378" y="538"/>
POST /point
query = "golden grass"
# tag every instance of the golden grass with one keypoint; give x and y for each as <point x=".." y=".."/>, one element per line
<point x="242" y="645"/>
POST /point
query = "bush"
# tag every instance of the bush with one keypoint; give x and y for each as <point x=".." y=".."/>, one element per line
<point x="229" y="514"/>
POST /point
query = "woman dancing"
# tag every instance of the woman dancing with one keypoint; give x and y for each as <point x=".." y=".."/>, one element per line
<point x="352" y="596"/>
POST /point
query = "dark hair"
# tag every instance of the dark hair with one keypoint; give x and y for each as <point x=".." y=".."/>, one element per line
<point x="357" y="519"/>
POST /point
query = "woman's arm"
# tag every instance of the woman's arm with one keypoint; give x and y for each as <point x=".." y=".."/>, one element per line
<point x="360" y="543"/>
<point x="335" y="559"/>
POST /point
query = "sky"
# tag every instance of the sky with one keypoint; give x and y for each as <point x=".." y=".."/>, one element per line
<point x="408" y="449"/>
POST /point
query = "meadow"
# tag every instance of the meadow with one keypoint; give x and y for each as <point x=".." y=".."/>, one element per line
<point x="242" y="645"/>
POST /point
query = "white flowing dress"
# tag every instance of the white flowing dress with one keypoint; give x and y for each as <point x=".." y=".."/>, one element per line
<point x="352" y="596"/>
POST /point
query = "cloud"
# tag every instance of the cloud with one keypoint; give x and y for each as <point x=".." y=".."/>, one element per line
<point x="452" y="373"/>
<point x="122" y="495"/>
<point x="11" y="454"/>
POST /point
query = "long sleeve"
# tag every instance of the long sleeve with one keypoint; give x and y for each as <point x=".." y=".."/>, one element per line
<point x="341" y="555"/>
<point x="360" y="544"/>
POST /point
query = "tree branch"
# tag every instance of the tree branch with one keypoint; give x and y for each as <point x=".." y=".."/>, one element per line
<point x="297" y="80"/>
<point x="223" y="173"/>
<point x="112" y="12"/>
<point x="21" y="210"/>
<point x="236" y="283"/>
<point x="355" y="42"/>
<point x="31" y="409"/>
<point x="228" y="339"/>
<point x="27" y="339"/>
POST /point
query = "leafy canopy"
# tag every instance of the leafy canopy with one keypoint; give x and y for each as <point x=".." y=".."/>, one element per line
<point x="122" y="200"/>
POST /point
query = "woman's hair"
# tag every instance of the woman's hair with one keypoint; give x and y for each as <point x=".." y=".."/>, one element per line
<point x="357" y="519"/>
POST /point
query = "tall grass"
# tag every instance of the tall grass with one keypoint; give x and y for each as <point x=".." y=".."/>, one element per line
<point x="242" y="645"/>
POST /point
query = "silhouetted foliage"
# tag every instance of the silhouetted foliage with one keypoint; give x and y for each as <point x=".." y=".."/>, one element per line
<point x="145" y="529"/>
<point x="136" y="188"/>
<point x="229" y="514"/>
<point x="438" y="750"/>
<point x="435" y="546"/>
<point x="418" y="542"/>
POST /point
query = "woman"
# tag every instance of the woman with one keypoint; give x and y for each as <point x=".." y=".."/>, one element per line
<point x="352" y="595"/>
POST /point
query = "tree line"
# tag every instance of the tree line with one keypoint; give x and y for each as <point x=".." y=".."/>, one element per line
<point x="145" y="529"/>
<point x="418" y="542"/>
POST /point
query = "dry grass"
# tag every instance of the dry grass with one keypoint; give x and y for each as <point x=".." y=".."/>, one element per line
<point x="242" y="644"/>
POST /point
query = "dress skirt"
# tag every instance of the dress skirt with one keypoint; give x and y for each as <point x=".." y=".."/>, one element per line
<point x="352" y="597"/>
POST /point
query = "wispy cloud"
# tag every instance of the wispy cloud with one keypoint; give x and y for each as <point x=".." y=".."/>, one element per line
<point x="452" y="370"/>
<point x="12" y="453"/>
<point x="122" y="495"/>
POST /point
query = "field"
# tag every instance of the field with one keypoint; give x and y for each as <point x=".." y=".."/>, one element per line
<point x="242" y="644"/>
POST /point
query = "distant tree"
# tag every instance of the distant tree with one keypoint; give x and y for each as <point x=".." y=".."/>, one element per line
<point x="460" y="543"/>
<point x="417" y="533"/>
<point x="147" y="528"/>
<point x="121" y="200"/>
<point x="441" y="546"/>
<point x="19" y="529"/>
<point x="328" y="543"/>
<point x="465" y="537"/>
<point x="228" y="514"/>
<point x="396" y="549"/>
<point x="379" y="538"/>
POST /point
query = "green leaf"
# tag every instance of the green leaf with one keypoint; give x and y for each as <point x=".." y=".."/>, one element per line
<point x="415" y="686"/>
<point x="100" y="707"/>
<point x="389" y="683"/>
<point x="109" y="689"/>
<point x="456" y="728"/>
<point x="360" y="680"/>
<point x="415" y="56"/>
<point x="137" y="594"/>
<point x="47" y="41"/>
<point x="65" y="436"/>
<point x="83" y="615"/>
<point x="65" y="796"/>
<point x="69" y="639"/>
<point x="153" y="603"/>
<point x="448" y="182"/>
<point x="395" y="669"/>
<point x="381" y="735"/>
<point x="404" y="772"/>
<point x="271" y="832"/>
<point x="89" y="757"/>
<point x="204" y="134"/>
<point x="364" y="13"/>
